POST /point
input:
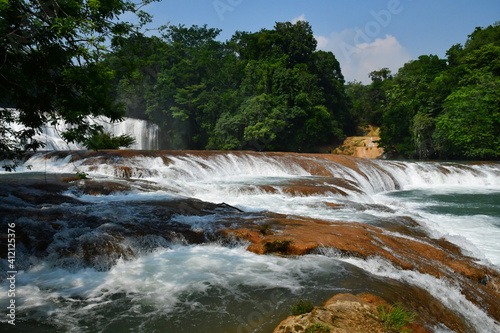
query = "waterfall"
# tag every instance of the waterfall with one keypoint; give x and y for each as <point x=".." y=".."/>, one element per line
<point x="136" y="244"/>
<point x="352" y="175"/>
<point x="145" y="133"/>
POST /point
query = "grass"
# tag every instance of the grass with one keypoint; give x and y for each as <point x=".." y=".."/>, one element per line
<point x="301" y="307"/>
<point x="318" y="328"/>
<point x="81" y="175"/>
<point x="395" y="318"/>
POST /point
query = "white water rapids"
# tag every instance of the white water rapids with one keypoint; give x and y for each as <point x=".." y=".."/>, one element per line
<point x="457" y="201"/>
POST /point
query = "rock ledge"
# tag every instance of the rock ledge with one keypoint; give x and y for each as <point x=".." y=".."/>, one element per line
<point x="343" y="313"/>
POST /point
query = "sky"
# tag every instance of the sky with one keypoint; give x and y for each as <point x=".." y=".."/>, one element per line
<point x="364" y="35"/>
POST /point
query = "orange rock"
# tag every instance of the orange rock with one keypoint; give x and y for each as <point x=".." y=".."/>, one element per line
<point x="438" y="258"/>
<point x="343" y="313"/>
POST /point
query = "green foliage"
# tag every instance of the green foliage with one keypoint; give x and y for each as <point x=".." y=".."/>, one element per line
<point x="296" y="41"/>
<point x="470" y="123"/>
<point x="437" y="108"/>
<point x="318" y="328"/>
<point x="107" y="141"/>
<point x="301" y="307"/>
<point x="396" y="318"/>
<point x="423" y="125"/>
<point x="52" y="66"/>
<point x="412" y="93"/>
<point x="81" y="175"/>
<point x="269" y="90"/>
<point x="278" y="246"/>
<point x="264" y="228"/>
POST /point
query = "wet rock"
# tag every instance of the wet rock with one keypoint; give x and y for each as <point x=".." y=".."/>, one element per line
<point x="438" y="258"/>
<point x="52" y="224"/>
<point x="343" y="313"/>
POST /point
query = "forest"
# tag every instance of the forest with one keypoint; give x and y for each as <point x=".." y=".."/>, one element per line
<point x="266" y="90"/>
<point x="270" y="90"/>
<point x="273" y="90"/>
<point x="438" y="108"/>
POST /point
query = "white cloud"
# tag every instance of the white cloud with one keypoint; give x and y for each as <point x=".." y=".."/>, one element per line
<point x="359" y="54"/>
<point x="322" y="42"/>
<point x="300" y="18"/>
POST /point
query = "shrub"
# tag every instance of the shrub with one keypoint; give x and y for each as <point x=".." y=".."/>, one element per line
<point x="107" y="141"/>
<point x="81" y="175"/>
<point x="264" y="228"/>
<point x="301" y="307"/>
<point x="318" y="328"/>
<point x="395" y="318"/>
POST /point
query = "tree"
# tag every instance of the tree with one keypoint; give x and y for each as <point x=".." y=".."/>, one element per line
<point x="105" y="140"/>
<point x="411" y="102"/>
<point x="296" y="41"/>
<point x="483" y="36"/>
<point x="186" y="97"/>
<point x="269" y="90"/>
<point x="470" y="123"/>
<point x="435" y="107"/>
<point x="468" y="126"/>
<point x="51" y="67"/>
<point x="136" y="64"/>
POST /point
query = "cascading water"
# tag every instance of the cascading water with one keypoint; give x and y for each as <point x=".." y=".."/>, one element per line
<point x="159" y="280"/>
<point x="145" y="133"/>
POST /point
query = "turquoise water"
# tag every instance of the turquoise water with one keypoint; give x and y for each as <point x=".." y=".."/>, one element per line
<point x="467" y="216"/>
<point x="457" y="201"/>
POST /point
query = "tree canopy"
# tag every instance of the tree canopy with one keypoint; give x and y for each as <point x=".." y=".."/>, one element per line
<point x="269" y="90"/>
<point x="74" y="60"/>
<point x="438" y="108"/>
<point x="51" y="67"/>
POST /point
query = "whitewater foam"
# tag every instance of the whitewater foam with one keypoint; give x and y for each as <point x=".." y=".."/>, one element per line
<point x="165" y="283"/>
<point x="174" y="278"/>
<point x="449" y="294"/>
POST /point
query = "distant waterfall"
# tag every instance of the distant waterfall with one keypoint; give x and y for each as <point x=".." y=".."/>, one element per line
<point x="144" y="132"/>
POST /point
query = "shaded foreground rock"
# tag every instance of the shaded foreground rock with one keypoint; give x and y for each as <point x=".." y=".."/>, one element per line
<point x="343" y="313"/>
<point x="52" y="221"/>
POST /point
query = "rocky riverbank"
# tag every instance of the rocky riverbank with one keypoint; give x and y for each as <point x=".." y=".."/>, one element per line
<point x="362" y="146"/>
<point x="267" y="234"/>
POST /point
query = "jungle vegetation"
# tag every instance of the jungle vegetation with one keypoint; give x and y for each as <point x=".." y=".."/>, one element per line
<point x="273" y="90"/>
<point x="268" y="90"/>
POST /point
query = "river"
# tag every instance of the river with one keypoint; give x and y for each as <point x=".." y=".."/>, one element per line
<point x="157" y="279"/>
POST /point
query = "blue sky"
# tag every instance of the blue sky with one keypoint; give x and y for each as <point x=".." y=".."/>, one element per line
<point x="364" y="35"/>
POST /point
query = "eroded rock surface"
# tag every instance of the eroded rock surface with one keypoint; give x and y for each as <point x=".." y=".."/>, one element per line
<point x="55" y="221"/>
<point x="411" y="251"/>
<point x="343" y="313"/>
